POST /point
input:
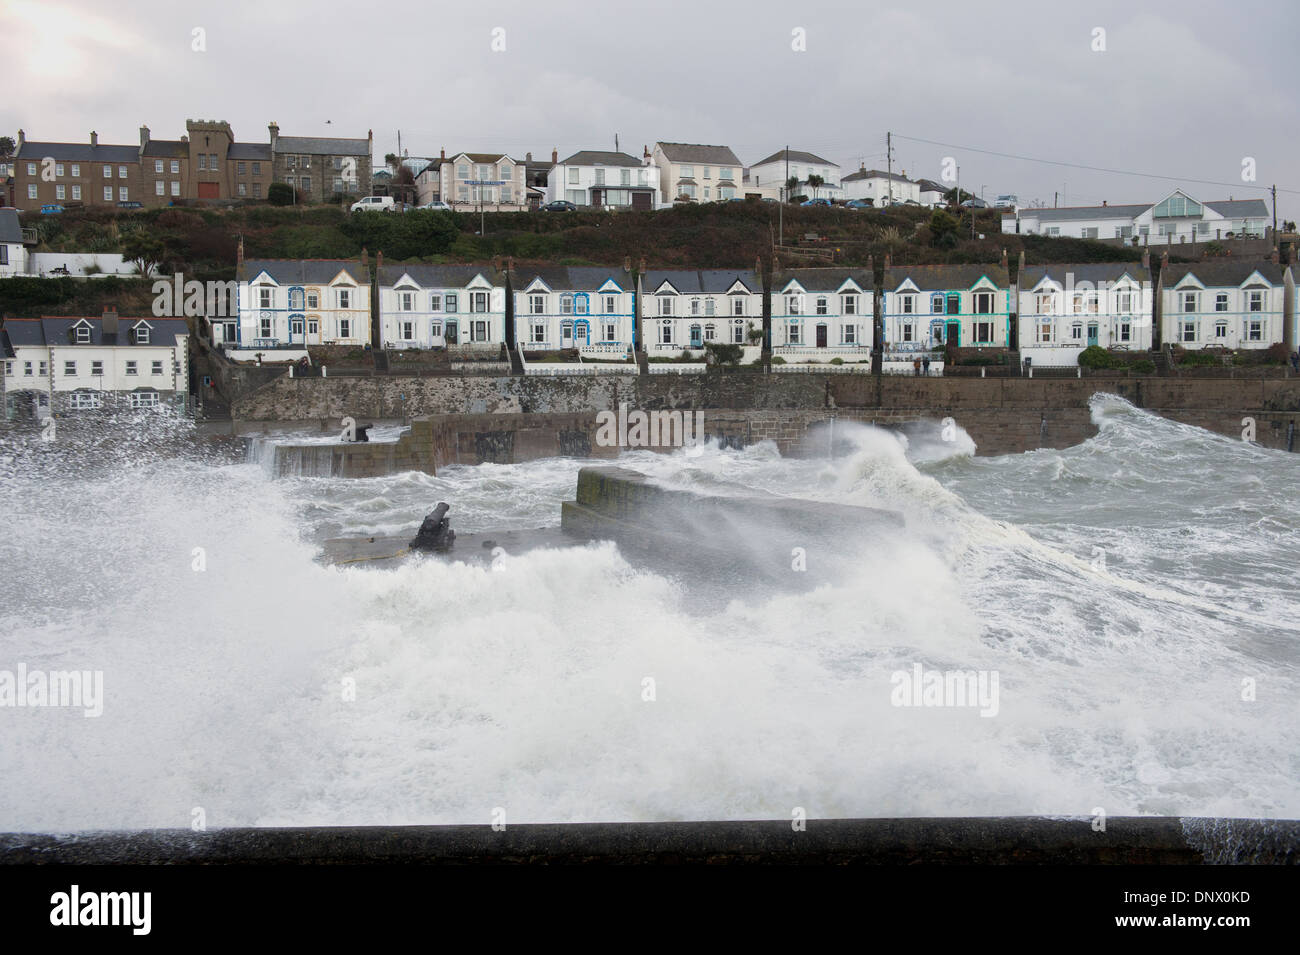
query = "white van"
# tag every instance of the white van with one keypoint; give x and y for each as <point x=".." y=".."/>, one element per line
<point x="374" y="204"/>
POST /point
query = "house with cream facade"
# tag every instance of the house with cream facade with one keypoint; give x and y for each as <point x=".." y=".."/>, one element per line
<point x="13" y="254"/>
<point x="1227" y="303"/>
<point x="469" y="181"/>
<point x="684" y="310"/>
<point x="459" y="307"/>
<point x="288" y="304"/>
<point x="1064" y="309"/>
<point x="66" y="364"/>
<point x="695" y="173"/>
<point x="590" y="309"/>
<point x="823" y="313"/>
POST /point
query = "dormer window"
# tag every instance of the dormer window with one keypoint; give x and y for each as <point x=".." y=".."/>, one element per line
<point x="142" y="334"/>
<point x="83" y="334"/>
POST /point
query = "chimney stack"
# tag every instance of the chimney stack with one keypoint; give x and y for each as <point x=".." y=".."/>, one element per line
<point x="1003" y="262"/>
<point x="1020" y="266"/>
<point x="1146" y="258"/>
<point x="144" y="136"/>
<point x="528" y="157"/>
<point x="94" y="138"/>
<point x="365" y="258"/>
<point x="1274" y="257"/>
<point x="758" y="264"/>
<point x="889" y="262"/>
<point x="442" y="153"/>
<point x="274" y="129"/>
<point x="379" y="261"/>
<point x="627" y="263"/>
<point x="555" y="156"/>
<point x="22" y="138"/>
<point x="108" y="322"/>
<point x="641" y="266"/>
<point x="510" y="263"/>
<point x="239" y="253"/>
<point x="871" y="265"/>
<point x="496" y="263"/>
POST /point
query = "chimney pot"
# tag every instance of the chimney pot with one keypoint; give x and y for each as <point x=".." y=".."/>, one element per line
<point x="94" y="138"/>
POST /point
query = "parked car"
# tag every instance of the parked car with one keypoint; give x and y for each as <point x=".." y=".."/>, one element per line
<point x="559" y="205"/>
<point x="817" y="202"/>
<point x="861" y="204"/>
<point x="374" y="204"/>
<point x="51" y="209"/>
<point x="437" y="204"/>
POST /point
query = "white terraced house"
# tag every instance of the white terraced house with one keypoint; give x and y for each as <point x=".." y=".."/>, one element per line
<point x="288" y="304"/>
<point x="693" y="173"/>
<point x="768" y="177"/>
<point x="590" y="309"/>
<point x="682" y="310"/>
<point x="1176" y="219"/>
<point x="1227" y="303"/>
<point x="13" y="255"/>
<point x="925" y="306"/>
<point x="821" y="314"/>
<point x="604" y="180"/>
<point x="62" y="364"/>
<point x="462" y="307"/>
<point x="1067" y="308"/>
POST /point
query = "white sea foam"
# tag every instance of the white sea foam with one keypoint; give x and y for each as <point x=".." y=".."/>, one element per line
<point x="522" y="687"/>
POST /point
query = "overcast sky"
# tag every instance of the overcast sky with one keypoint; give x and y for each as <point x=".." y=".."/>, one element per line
<point x="1185" y="91"/>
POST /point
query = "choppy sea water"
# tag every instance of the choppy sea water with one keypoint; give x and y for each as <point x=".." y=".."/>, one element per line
<point x="1124" y="591"/>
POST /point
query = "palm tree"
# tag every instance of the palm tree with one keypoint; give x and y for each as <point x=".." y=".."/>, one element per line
<point x="791" y="185"/>
<point x="814" y="182"/>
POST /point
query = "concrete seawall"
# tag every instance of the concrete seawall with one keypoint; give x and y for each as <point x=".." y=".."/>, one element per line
<point x="982" y="840"/>
<point x="1003" y="416"/>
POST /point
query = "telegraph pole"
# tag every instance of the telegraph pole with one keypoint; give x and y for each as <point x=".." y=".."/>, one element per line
<point x="889" y="164"/>
<point x="780" y="213"/>
<point x="1274" y="191"/>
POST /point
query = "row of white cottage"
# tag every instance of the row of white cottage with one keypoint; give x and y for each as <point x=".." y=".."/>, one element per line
<point x="1051" y="314"/>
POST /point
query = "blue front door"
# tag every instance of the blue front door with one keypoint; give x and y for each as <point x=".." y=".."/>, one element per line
<point x="1092" y="333"/>
<point x="697" y="337"/>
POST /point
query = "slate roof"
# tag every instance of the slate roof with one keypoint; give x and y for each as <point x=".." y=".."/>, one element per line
<point x="873" y="174"/>
<point x="929" y="185"/>
<point x="595" y="157"/>
<point x="692" y="153"/>
<point x="303" y="271"/>
<point x="712" y="281"/>
<point x="795" y="155"/>
<point x="78" y="152"/>
<point x="249" y="151"/>
<point x="480" y="157"/>
<point x="53" y="330"/>
<point x="823" y="279"/>
<point x="172" y="148"/>
<point x="1240" y="208"/>
<point x="1222" y="273"/>
<point x="1093" y="272"/>
<point x="940" y="278"/>
<point x="322" y="146"/>
<point x="441" y="276"/>
<point x="573" y="279"/>
<point x="1086" y="212"/>
<point x="11" y="229"/>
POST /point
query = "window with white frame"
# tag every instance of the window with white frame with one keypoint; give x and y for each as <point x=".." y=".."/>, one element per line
<point x="610" y="333"/>
<point x="144" y="399"/>
<point x="157" y="165"/>
<point x="849" y="304"/>
<point x="906" y="333"/>
<point x="1187" y="330"/>
<point x="666" y="331"/>
<point x="176" y="167"/>
<point x="738" y="305"/>
<point x="1254" y="330"/>
<point x="936" y="304"/>
<point x="159" y="187"/>
<point x="665" y="305"/>
<point x="793" y="331"/>
<point x="264" y="297"/>
<point x="345" y="328"/>
<point x="582" y="304"/>
<point x="121" y="172"/>
<point x="537" y="304"/>
<point x="850" y="334"/>
<point x="823" y="306"/>
<point x="156" y="368"/>
<point x="123" y="194"/>
<point x="76" y="192"/>
<point x="710" y="332"/>
<point x="406" y="302"/>
<point x="142" y="334"/>
<point x="265" y="329"/>
<point x="792" y="305"/>
<point x="737" y="333"/>
<point x="85" y="400"/>
<point x="345" y="299"/>
<point x="70" y="369"/>
<point x="451" y="302"/>
<point x="695" y="306"/>
<point x="97" y="368"/>
<point x="1043" y="333"/>
<point x="478" y="301"/>
<point x="131" y="368"/>
<point x="31" y="191"/>
<point x="1255" y="301"/>
<point x="1221" y="328"/>
<point x="108" y="193"/>
<point x="1221" y="302"/>
<point x="1124" y="301"/>
<point x="539" y="333"/>
<point x="108" y="172"/>
<point x="1076" y="331"/>
<point x="984" y="303"/>
<point x="435" y="302"/>
<point x="983" y="333"/>
<point x="610" y="305"/>
<point x="1189" y="301"/>
<point x="1125" y="331"/>
<point x="408" y="330"/>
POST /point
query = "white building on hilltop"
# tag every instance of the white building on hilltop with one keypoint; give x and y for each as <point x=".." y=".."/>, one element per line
<point x="1176" y="218"/>
<point x="610" y="180"/>
<point x="768" y="176"/>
